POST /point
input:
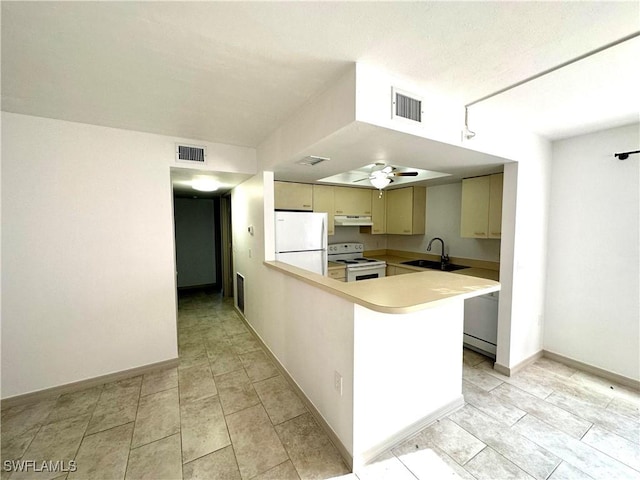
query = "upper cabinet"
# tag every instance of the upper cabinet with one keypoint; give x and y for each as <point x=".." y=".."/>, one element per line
<point x="378" y="214"/>
<point x="323" y="201"/>
<point x="352" y="201"/>
<point x="293" y="196"/>
<point x="406" y="210"/>
<point x="481" y="215"/>
<point x="495" y="206"/>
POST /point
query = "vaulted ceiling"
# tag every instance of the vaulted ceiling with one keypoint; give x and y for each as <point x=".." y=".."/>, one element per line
<point x="231" y="72"/>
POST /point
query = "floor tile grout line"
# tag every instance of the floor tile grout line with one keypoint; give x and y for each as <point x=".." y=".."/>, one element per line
<point x="556" y="468"/>
<point x="551" y="404"/>
<point x="605" y="453"/>
<point x="126" y="467"/>
<point x="86" y="427"/>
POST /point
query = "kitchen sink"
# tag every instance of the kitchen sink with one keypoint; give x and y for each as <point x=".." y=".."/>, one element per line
<point x="434" y="265"/>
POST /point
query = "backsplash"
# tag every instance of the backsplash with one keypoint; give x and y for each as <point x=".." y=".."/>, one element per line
<point x="352" y="234"/>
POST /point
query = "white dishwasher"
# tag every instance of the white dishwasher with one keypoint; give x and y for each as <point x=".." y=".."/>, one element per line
<point x="481" y="323"/>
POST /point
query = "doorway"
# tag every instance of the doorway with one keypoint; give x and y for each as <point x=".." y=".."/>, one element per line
<point x="197" y="242"/>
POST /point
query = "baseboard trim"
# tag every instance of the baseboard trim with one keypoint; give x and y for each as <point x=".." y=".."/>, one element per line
<point x="48" y="393"/>
<point x="405" y="433"/>
<point x="585" y="367"/>
<point x="510" y="371"/>
<point x="344" y="453"/>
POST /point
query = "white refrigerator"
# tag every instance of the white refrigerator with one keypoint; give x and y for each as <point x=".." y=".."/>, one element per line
<point x="301" y="240"/>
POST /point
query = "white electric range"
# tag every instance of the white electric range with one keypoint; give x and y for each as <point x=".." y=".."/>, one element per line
<point x="358" y="267"/>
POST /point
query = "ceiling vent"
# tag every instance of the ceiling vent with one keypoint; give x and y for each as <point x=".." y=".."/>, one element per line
<point x="312" y="160"/>
<point x="190" y="153"/>
<point x="405" y="105"/>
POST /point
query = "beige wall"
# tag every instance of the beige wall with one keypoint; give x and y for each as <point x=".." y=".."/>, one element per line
<point x="593" y="287"/>
<point x="88" y="266"/>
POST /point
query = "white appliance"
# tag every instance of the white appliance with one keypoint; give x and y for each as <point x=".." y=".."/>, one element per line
<point x="352" y="220"/>
<point x="481" y="323"/>
<point x="301" y="240"/>
<point x="358" y="267"/>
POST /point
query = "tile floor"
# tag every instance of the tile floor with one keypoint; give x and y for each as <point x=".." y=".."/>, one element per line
<point x="227" y="413"/>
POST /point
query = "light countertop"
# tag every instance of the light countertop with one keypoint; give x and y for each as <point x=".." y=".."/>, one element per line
<point x="399" y="293"/>
<point x="396" y="261"/>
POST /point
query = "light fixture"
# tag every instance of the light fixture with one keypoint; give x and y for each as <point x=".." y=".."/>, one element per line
<point x="467" y="132"/>
<point x="205" y="185"/>
<point x="379" y="179"/>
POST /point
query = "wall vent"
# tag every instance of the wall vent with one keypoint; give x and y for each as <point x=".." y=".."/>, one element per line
<point x="406" y="105"/>
<point x="312" y="160"/>
<point x="190" y="153"/>
<point x="240" y="291"/>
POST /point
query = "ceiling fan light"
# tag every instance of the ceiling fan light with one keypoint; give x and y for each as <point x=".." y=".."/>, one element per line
<point x="205" y="185"/>
<point x="379" y="181"/>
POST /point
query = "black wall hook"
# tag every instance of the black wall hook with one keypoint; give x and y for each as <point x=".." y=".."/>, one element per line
<point x="624" y="155"/>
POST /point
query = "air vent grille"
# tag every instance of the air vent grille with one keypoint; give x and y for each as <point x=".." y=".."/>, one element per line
<point x="312" y="160"/>
<point x="407" y="106"/>
<point x="190" y="153"/>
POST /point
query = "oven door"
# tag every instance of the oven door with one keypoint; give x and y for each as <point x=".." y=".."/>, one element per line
<point x="365" y="272"/>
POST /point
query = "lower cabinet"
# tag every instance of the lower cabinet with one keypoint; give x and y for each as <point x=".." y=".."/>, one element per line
<point x="393" y="270"/>
<point x="339" y="273"/>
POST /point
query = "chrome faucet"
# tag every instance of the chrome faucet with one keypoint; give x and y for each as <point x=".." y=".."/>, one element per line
<point x="444" y="258"/>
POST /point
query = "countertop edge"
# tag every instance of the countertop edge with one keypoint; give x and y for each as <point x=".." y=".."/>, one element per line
<point x="337" y="288"/>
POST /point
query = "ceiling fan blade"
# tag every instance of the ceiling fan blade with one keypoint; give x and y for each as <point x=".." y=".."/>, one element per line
<point x="360" y="180"/>
<point x="404" y="174"/>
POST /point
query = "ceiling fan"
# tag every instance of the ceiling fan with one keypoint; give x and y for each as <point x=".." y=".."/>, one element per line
<point x="381" y="175"/>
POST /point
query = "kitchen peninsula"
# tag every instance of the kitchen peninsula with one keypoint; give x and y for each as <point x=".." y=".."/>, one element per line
<point x="377" y="359"/>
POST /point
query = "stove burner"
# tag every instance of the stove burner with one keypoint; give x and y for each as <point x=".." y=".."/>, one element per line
<point x="351" y="262"/>
<point x="362" y="259"/>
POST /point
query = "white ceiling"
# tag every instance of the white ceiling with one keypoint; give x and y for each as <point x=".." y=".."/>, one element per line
<point x="232" y="72"/>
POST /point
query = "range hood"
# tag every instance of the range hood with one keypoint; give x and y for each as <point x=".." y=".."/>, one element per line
<point x="352" y="220"/>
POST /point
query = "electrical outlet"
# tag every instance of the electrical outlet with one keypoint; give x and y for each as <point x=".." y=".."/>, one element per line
<point x="249" y="253"/>
<point x="337" y="382"/>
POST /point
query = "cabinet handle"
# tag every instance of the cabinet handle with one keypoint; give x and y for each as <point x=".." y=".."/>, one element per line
<point x="406" y="231"/>
<point x="338" y="211"/>
<point x="367" y="213"/>
<point x="496" y="233"/>
<point x="479" y="233"/>
<point x="306" y="205"/>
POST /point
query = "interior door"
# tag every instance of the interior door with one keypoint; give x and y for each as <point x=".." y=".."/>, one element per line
<point x="227" y="246"/>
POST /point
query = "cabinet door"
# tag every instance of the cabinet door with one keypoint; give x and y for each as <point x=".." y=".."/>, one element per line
<point x="352" y="201"/>
<point x="419" y="207"/>
<point x="293" y="196"/>
<point x="378" y="212"/>
<point x="323" y="202"/>
<point x="474" y="220"/>
<point x="338" y="274"/>
<point x="495" y="206"/>
<point x="393" y="270"/>
<point x="400" y="211"/>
